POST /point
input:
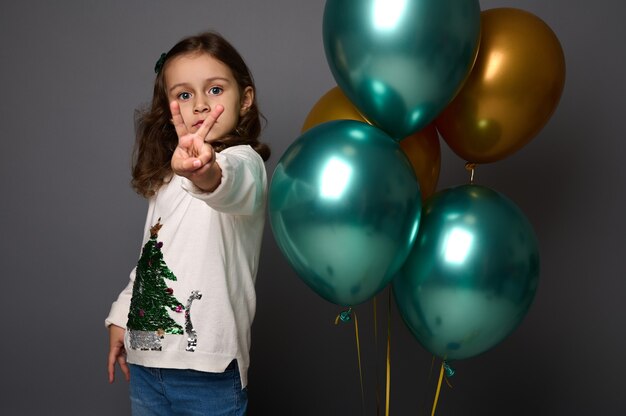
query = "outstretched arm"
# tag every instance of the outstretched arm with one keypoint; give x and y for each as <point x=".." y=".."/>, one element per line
<point x="194" y="158"/>
<point x="117" y="352"/>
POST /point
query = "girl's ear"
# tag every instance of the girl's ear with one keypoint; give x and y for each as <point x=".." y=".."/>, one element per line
<point x="247" y="98"/>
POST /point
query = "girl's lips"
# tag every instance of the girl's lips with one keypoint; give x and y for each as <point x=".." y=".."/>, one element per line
<point x="199" y="123"/>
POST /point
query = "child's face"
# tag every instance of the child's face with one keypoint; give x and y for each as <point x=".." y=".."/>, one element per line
<point x="198" y="82"/>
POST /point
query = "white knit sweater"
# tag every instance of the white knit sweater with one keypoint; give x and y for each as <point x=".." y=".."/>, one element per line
<point x="211" y="242"/>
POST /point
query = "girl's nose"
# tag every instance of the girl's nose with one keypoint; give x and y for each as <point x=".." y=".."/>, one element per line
<point x="201" y="106"/>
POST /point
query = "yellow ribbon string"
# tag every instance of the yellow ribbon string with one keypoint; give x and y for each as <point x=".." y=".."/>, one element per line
<point x="358" y="348"/>
<point x="358" y="352"/>
<point x="448" y="382"/>
<point x="438" y="389"/>
<point x="388" y="388"/>
<point x="375" y="304"/>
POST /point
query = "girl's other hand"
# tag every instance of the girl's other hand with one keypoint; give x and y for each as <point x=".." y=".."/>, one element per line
<point x="117" y="352"/>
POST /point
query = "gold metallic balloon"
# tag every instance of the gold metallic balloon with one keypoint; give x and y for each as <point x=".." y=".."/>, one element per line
<point x="333" y="105"/>
<point x="424" y="152"/>
<point x="512" y="91"/>
<point x="422" y="148"/>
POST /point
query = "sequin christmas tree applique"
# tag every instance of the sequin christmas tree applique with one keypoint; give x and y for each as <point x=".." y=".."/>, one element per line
<point x="148" y="318"/>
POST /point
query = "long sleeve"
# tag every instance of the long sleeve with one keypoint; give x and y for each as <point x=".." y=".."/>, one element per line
<point x="243" y="185"/>
<point x="211" y="243"/>
<point x="118" y="315"/>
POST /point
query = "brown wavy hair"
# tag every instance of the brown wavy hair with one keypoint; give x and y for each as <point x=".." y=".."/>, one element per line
<point x="156" y="137"/>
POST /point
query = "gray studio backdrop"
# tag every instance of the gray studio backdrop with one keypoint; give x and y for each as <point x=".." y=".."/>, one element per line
<point x="73" y="72"/>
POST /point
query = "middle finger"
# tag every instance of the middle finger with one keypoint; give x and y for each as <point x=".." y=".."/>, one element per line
<point x="208" y="123"/>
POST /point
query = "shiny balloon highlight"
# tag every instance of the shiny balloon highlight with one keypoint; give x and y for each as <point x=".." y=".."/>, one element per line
<point x="400" y="62"/>
<point x="472" y="273"/>
<point x="422" y="148"/>
<point x="344" y="207"/>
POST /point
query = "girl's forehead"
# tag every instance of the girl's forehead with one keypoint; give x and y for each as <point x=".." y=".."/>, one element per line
<point x="196" y="64"/>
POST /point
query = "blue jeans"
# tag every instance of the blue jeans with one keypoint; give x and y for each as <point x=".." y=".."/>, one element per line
<point x="168" y="392"/>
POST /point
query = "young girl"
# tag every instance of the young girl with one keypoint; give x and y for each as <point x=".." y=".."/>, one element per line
<point x="180" y="330"/>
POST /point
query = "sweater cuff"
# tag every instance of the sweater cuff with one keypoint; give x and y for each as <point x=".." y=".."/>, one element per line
<point x="117" y="316"/>
<point x="190" y="187"/>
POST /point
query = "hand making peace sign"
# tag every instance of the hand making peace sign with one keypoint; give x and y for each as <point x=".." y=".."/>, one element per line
<point x="194" y="158"/>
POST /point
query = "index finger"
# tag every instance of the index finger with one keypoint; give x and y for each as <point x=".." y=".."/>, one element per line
<point x="177" y="120"/>
<point x="205" y="127"/>
<point x="111" y="366"/>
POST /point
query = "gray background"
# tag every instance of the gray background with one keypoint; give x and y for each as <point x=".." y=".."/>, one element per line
<point x="71" y="75"/>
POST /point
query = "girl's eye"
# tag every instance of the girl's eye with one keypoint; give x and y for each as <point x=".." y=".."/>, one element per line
<point x="184" y="96"/>
<point x="215" y="90"/>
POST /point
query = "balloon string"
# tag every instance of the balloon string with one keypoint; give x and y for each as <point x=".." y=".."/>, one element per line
<point x="375" y="305"/>
<point x="346" y="316"/>
<point x="470" y="167"/>
<point x="438" y="389"/>
<point x="388" y="388"/>
<point x="358" y="352"/>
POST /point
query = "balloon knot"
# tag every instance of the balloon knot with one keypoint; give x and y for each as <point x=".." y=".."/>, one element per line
<point x="449" y="370"/>
<point x="471" y="167"/>
<point x="344" y="316"/>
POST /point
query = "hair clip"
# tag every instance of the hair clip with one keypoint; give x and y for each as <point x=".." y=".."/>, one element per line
<point x="159" y="63"/>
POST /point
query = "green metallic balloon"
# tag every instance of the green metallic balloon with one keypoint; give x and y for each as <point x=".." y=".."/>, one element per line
<point x="344" y="207"/>
<point x="471" y="275"/>
<point x="400" y="62"/>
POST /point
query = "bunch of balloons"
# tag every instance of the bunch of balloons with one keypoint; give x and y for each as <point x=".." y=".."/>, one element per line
<point x="352" y="201"/>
